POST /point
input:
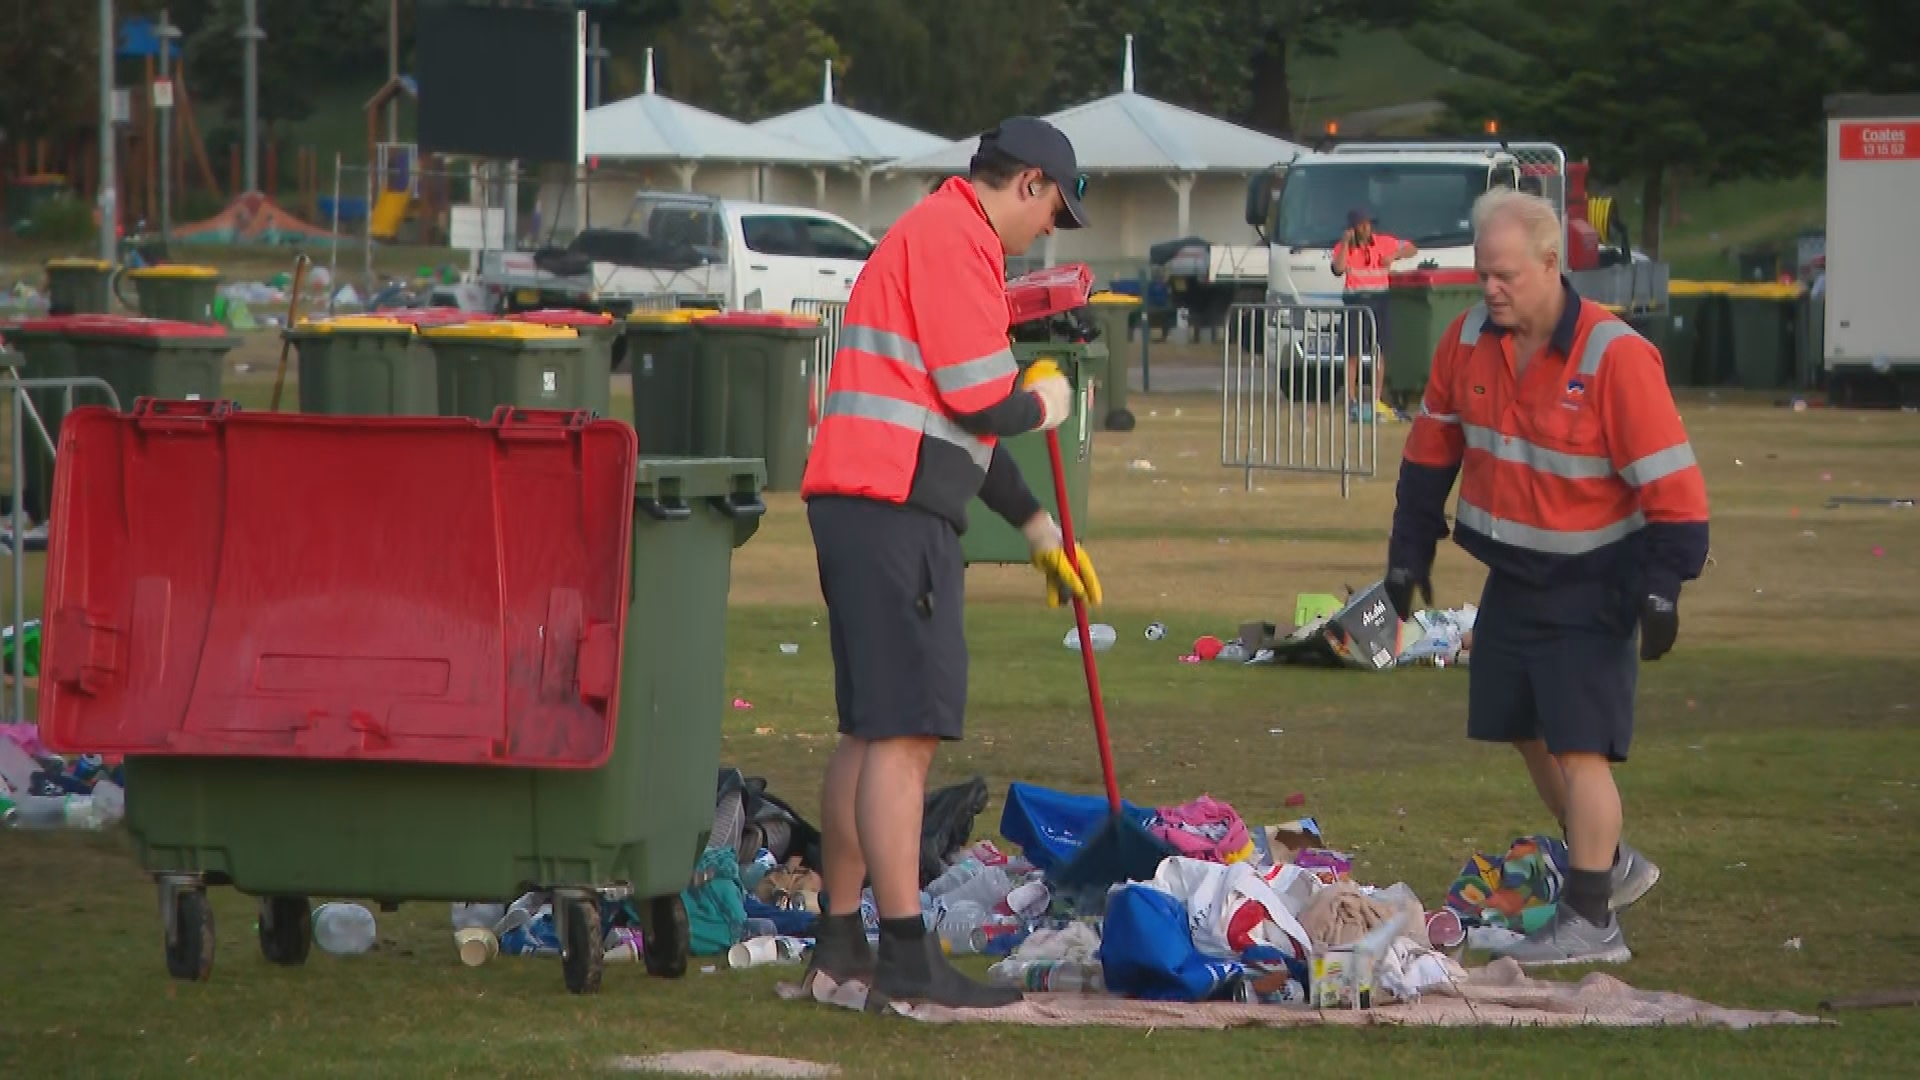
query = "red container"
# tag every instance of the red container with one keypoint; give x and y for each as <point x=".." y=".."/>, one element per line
<point x="427" y="318"/>
<point x="573" y="317"/>
<point x="759" y="320"/>
<point x="1049" y="292"/>
<point x="1427" y="279"/>
<point x="209" y="592"/>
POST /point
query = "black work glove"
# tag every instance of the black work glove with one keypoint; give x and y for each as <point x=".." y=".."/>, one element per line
<point x="1402" y="582"/>
<point x="1659" y="626"/>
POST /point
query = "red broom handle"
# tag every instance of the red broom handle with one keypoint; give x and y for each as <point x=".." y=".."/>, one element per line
<point x="1080" y="619"/>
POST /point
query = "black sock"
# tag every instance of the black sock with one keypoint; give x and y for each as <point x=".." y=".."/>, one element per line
<point x="912" y="928"/>
<point x="848" y="926"/>
<point x="1587" y="894"/>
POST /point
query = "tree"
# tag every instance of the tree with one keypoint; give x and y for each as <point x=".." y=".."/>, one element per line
<point x="1724" y="88"/>
<point x="769" y="54"/>
<point x="1883" y="34"/>
<point x="48" y="61"/>
<point x="950" y="68"/>
<point x="1229" y="57"/>
<point x="309" y="46"/>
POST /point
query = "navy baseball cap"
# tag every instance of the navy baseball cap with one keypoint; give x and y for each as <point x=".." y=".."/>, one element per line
<point x="1037" y="144"/>
<point x="1357" y="215"/>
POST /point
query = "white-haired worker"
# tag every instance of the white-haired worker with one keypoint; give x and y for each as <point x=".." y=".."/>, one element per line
<point x="1580" y="493"/>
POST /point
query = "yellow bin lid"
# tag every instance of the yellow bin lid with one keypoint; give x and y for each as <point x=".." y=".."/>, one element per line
<point x="1698" y="288"/>
<point x="175" y="272"/>
<point x="79" y="264"/>
<point x="1765" y="292"/>
<point x="359" y="323"/>
<point x="1109" y="297"/>
<point x="501" y="332"/>
<point x="677" y="315"/>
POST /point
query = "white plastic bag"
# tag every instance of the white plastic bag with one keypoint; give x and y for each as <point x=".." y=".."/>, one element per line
<point x="1213" y="893"/>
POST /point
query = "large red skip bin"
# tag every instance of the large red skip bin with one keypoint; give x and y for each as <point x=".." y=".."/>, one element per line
<point x="366" y="589"/>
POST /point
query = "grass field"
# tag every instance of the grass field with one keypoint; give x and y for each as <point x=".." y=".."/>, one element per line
<point x="1774" y="778"/>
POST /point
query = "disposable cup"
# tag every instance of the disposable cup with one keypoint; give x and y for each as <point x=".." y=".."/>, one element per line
<point x="477" y="945"/>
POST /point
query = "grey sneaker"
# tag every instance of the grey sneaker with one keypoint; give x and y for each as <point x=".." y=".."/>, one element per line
<point x="1633" y="876"/>
<point x="1570" y="939"/>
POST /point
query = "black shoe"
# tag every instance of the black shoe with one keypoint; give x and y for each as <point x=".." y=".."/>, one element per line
<point x="841" y="950"/>
<point x="913" y="971"/>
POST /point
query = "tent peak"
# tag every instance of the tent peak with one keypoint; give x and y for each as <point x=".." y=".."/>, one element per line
<point x="826" y="86"/>
<point x="1126" y="71"/>
<point x="646" y="85"/>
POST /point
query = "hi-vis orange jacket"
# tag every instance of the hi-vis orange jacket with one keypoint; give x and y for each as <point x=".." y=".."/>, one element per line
<point x="1576" y="469"/>
<point x="923" y="381"/>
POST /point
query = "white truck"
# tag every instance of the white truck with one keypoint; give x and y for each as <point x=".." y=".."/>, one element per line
<point x="1872" y="325"/>
<point x="1422" y="192"/>
<point x="688" y="250"/>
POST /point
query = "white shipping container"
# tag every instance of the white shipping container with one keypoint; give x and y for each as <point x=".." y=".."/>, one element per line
<point x="1873" y="232"/>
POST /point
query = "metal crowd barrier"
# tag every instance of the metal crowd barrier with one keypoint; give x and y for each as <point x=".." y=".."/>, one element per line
<point x="833" y="313"/>
<point x="13" y="708"/>
<point x="1286" y="404"/>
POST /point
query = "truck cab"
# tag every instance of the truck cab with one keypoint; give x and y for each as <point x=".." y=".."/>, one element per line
<point x="697" y="250"/>
<point x="1418" y="192"/>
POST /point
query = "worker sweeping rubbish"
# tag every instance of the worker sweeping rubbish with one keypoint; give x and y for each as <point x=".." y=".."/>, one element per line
<point x="1579" y="491"/>
<point x="923" y="386"/>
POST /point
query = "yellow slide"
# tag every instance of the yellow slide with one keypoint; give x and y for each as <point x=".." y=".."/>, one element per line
<point x="388" y="212"/>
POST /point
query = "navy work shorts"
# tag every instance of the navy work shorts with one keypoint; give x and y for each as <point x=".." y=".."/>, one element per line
<point x="894" y="582"/>
<point x="1365" y="339"/>
<point x="1556" y="663"/>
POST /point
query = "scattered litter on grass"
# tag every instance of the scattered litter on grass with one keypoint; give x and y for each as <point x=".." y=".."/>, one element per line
<point x="1156" y="631"/>
<point x="789" y="648"/>
<point x="742" y="703"/>
<point x="722" y="1063"/>
<point x="1139" y="465"/>
<point x="763" y="731"/>
<point x="1793" y="943"/>
<point x="1737" y="866"/>
<point x="1891" y="502"/>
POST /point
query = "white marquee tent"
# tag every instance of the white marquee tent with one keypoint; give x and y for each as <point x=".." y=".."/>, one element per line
<point x="862" y="139"/>
<point x="1138" y="150"/>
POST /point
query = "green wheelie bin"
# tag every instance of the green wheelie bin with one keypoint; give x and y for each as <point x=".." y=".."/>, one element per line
<point x="1763" y="322"/>
<point x="40" y="350"/>
<point x="174" y="291"/>
<point x="520" y="688"/>
<point x="598" y="329"/>
<point x="1656" y="325"/>
<point x="481" y="366"/>
<point x="660" y="354"/>
<point x="364" y="365"/>
<point x="79" y="286"/>
<point x="156" y="358"/>
<point x="1701" y="338"/>
<point x="1112" y="315"/>
<point x="1812" y="355"/>
<point x="989" y="539"/>
<point x="1420" y="306"/>
<point x="750" y="389"/>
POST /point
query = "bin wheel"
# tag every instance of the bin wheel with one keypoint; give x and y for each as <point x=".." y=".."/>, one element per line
<point x="190" y="944"/>
<point x="1120" y="420"/>
<point x="286" y="929"/>
<point x="669" y="937"/>
<point x="583" y="952"/>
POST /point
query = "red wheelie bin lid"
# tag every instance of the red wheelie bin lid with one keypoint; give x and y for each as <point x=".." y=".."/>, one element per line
<point x="393" y="589"/>
<point x="1048" y="292"/>
<point x="573" y="317"/>
<point x="1427" y="279"/>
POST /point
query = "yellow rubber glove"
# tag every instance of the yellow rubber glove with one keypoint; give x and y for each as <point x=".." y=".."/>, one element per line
<point x="1044" y="380"/>
<point x="1065" y="579"/>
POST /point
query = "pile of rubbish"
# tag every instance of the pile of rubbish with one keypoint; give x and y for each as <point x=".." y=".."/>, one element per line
<point x="42" y="790"/>
<point x="1357" y="632"/>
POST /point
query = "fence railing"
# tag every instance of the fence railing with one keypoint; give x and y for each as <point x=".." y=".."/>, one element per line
<point x="22" y="413"/>
<point x="833" y="313"/>
<point x="1301" y="391"/>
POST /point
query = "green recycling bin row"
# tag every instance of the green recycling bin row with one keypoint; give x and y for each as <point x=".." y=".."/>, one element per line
<point x="989" y="539"/>
<point x="732" y="384"/>
<point x="137" y="357"/>
<point x="173" y="291"/>
<point x="79" y="286"/>
<point x="1749" y="336"/>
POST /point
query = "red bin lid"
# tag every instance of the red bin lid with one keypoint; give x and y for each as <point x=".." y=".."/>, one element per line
<point x="1427" y="279"/>
<point x="403" y="589"/>
<point x="121" y="326"/>
<point x="433" y="316"/>
<point x="1049" y="292"/>
<point x="562" y="317"/>
<point x="760" y="320"/>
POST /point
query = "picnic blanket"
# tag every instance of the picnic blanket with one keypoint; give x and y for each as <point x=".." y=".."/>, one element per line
<point x="1498" y="995"/>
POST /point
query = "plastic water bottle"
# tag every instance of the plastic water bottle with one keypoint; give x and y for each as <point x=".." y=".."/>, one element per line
<point x="759" y="928"/>
<point x="58" y="812"/>
<point x="986" y="889"/>
<point x="109" y="801"/>
<point x="344" y="929"/>
<point x="1049" y="976"/>
<point x="1103" y="637"/>
<point x="478" y="916"/>
<point x="956" y="875"/>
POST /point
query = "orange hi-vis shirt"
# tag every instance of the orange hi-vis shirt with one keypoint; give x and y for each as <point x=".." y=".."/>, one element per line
<point x="1369" y="264"/>
<point x="923" y="354"/>
<point x="1566" y="468"/>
